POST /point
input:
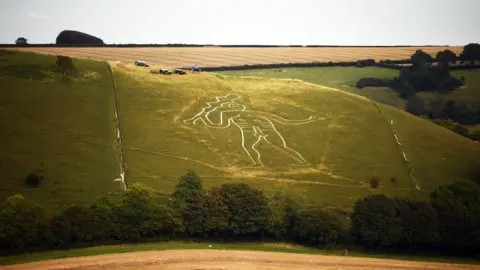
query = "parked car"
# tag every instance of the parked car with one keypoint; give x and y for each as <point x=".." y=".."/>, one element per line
<point x="180" y="72"/>
<point x="196" y="69"/>
<point x="141" y="64"/>
<point x="165" y="71"/>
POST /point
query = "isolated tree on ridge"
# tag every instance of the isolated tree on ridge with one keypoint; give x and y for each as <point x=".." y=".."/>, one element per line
<point x="21" y="41"/>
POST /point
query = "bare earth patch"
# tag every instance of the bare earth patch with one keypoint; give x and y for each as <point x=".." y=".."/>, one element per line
<point x="222" y="259"/>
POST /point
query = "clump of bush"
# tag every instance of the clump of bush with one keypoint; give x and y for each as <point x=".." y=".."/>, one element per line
<point x="374" y="182"/>
<point x="65" y="65"/>
<point x="33" y="179"/>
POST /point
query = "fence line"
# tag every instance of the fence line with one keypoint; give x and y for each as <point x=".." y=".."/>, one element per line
<point x="123" y="167"/>
<point x="411" y="170"/>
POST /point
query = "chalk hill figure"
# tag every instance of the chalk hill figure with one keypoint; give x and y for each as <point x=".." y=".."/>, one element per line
<point x="254" y="126"/>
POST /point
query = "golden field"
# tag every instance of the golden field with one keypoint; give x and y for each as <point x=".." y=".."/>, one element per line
<point x="221" y="56"/>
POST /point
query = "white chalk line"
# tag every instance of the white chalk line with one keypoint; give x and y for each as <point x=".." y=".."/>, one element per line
<point x="203" y="116"/>
<point x="119" y="136"/>
<point x="285" y="144"/>
<point x="410" y="167"/>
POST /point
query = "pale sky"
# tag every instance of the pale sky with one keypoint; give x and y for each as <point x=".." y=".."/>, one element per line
<point x="269" y="22"/>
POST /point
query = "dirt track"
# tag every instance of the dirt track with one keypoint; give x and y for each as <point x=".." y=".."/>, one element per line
<point x="222" y="259"/>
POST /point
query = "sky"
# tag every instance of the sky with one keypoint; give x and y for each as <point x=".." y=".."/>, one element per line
<point x="266" y="22"/>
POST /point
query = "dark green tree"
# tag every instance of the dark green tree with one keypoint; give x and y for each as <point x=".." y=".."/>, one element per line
<point x="449" y="109"/>
<point x="415" y="105"/>
<point x="248" y="208"/>
<point x="458" y="208"/>
<point x="188" y="185"/>
<point x="317" y="227"/>
<point x="138" y="215"/>
<point x="283" y="216"/>
<point x="376" y="222"/>
<point x="23" y="226"/>
<point x="216" y="215"/>
<point x="420" y="224"/>
<point x="194" y="214"/>
<point x="420" y="58"/>
<point x="21" y="41"/>
<point x="75" y="224"/>
<point x="446" y="56"/>
<point x="471" y="52"/>
<point x="189" y="199"/>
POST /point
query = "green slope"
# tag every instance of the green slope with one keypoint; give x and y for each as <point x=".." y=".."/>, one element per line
<point x="343" y="78"/>
<point x="63" y="127"/>
<point x="344" y="150"/>
<point x="66" y="127"/>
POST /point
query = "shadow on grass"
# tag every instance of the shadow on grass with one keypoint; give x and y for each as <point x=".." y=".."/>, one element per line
<point x="31" y="72"/>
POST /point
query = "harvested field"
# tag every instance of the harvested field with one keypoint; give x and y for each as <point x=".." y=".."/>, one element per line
<point x="220" y="56"/>
<point x="223" y="259"/>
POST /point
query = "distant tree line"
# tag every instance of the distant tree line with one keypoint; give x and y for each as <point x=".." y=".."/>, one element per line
<point x="359" y="63"/>
<point x="448" y="113"/>
<point x="423" y="76"/>
<point x="450" y="222"/>
<point x="71" y="38"/>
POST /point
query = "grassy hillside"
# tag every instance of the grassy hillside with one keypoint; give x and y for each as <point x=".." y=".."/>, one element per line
<point x="343" y="78"/>
<point x="347" y="142"/>
<point x="61" y="125"/>
<point x="317" y="144"/>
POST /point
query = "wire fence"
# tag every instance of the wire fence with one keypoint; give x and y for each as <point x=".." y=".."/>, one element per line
<point x="411" y="170"/>
<point x="123" y="166"/>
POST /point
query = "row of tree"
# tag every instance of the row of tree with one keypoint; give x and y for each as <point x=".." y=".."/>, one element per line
<point x="450" y="221"/>
<point x="422" y="75"/>
<point x="236" y="211"/>
<point x="448" y="113"/>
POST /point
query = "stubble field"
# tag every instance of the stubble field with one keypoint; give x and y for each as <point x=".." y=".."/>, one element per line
<point x="221" y="56"/>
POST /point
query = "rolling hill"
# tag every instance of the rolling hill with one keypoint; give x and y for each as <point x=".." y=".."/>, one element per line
<point x="62" y="126"/>
<point x="347" y="143"/>
<point x="316" y="143"/>
<point x="345" y="78"/>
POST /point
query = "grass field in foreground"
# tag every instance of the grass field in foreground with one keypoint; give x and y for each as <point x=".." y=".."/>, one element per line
<point x="344" y="150"/>
<point x="272" y="247"/>
<point x="65" y="128"/>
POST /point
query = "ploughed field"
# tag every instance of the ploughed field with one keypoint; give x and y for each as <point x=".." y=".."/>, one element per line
<point x="227" y="259"/>
<point x="220" y="56"/>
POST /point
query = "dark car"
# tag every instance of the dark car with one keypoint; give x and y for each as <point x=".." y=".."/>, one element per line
<point x="165" y="71"/>
<point x="141" y="64"/>
<point x="180" y="72"/>
<point x="196" y="69"/>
